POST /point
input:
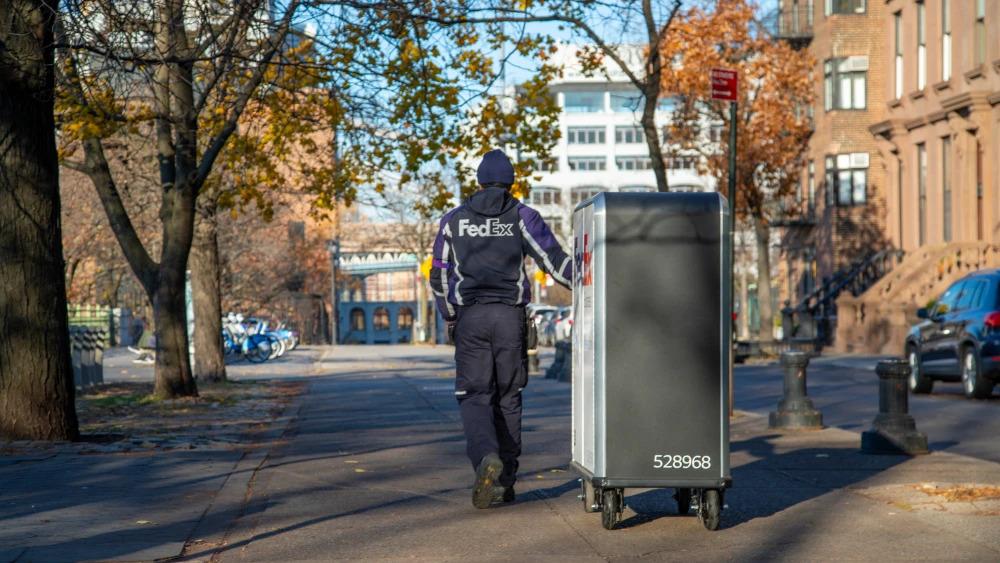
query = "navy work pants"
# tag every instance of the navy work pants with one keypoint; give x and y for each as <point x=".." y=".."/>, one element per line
<point x="492" y="368"/>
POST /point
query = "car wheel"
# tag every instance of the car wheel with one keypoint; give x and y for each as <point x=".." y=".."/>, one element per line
<point x="973" y="383"/>
<point x="919" y="382"/>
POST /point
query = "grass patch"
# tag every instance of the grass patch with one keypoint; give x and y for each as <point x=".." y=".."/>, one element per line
<point x="121" y="401"/>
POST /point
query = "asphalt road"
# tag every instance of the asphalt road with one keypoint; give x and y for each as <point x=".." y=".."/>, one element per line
<point x="846" y="392"/>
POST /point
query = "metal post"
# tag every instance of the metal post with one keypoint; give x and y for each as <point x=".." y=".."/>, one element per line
<point x="334" y="298"/>
<point x="732" y="241"/>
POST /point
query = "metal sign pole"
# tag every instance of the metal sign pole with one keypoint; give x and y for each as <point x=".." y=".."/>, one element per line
<point x="732" y="241"/>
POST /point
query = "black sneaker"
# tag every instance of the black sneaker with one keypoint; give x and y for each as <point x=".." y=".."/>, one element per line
<point x="503" y="495"/>
<point x="489" y="469"/>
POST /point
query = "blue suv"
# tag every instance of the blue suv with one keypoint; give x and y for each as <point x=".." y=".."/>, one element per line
<point x="958" y="338"/>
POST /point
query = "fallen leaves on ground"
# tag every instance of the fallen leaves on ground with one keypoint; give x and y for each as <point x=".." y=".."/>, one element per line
<point x="960" y="493"/>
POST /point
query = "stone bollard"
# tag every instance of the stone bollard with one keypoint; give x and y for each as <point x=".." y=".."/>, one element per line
<point x="557" y="365"/>
<point x="795" y="409"/>
<point x="893" y="431"/>
<point x="76" y="356"/>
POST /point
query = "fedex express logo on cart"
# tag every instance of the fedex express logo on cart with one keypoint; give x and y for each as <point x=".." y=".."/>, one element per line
<point x="582" y="263"/>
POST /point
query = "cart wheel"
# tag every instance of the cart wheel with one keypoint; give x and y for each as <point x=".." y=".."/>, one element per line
<point x="710" y="509"/>
<point x="683" y="498"/>
<point x="589" y="497"/>
<point x="611" y="508"/>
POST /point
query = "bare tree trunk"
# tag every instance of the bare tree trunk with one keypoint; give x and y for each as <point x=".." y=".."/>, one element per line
<point x="36" y="376"/>
<point x="209" y="358"/>
<point x="744" y="319"/>
<point x="653" y="138"/>
<point x="763" y="231"/>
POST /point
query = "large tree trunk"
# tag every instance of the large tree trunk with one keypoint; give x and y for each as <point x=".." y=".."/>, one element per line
<point x="206" y="289"/>
<point x="763" y="232"/>
<point x="36" y="376"/>
<point x="173" y="364"/>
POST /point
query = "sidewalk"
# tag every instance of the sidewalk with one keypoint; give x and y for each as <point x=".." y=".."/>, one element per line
<point x="375" y="468"/>
<point x="151" y="480"/>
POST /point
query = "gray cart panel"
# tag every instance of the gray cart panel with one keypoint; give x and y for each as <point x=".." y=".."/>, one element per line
<point x="657" y="341"/>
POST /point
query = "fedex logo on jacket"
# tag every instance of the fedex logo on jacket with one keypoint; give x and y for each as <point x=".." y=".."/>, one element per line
<point x="492" y="228"/>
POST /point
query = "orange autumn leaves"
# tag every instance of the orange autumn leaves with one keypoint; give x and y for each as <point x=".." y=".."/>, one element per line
<point x="776" y="89"/>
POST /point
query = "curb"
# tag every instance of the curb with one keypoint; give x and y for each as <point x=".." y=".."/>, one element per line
<point x="231" y="502"/>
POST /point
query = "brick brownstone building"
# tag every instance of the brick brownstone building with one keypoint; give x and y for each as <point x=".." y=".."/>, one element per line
<point x="840" y="211"/>
<point x="931" y="131"/>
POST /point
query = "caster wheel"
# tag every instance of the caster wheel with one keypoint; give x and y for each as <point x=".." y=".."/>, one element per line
<point x="710" y="509"/>
<point x="611" y="509"/>
<point x="590" y="496"/>
<point x="683" y="498"/>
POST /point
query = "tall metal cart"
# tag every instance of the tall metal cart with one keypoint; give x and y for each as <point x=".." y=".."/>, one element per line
<point x="651" y="344"/>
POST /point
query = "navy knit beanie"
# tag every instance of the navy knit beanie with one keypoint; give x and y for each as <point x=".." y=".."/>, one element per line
<point x="495" y="169"/>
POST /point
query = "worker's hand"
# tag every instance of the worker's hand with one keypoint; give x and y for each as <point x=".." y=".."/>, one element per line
<point x="451" y="332"/>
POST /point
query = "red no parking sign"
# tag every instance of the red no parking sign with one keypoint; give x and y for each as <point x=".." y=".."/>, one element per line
<point x="724" y="83"/>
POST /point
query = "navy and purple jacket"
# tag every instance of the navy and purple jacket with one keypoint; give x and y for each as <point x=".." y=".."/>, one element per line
<point x="480" y="249"/>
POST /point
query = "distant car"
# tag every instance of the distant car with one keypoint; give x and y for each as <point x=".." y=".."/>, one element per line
<point x="564" y="324"/>
<point x="543" y="315"/>
<point x="958" y="338"/>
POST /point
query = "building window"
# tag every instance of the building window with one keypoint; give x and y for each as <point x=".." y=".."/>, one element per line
<point x="629" y="134"/>
<point x="380" y="320"/>
<point x="946" y="187"/>
<point x="945" y="40"/>
<point x="845" y="6"/>
<point x="921" y="46"/>
<point x="682" y="163"/>
<point x="585" y="135"/>
<point x="845" y="83"/>
<point x="587" y="163"/>
<point x="634" y="189"/>
<point x="546" y="196"/>
<point x="624" y="103"/>
<point x="583" y="193"/>
<point x="847" y="179"/>
<point x="358" y="320"/>
<point x="980" y="33"/>
<point x="405" y="319"/>
<point x="716" y="130"/>
<point x="634" y="163"/>
<point x="922" y="193"/>
<point x="898" y="22"/>
<point x="583" y="102"/>
<point x="685" y="188"/>
<point x="555" y="224"/>
<point x="539" y="165"/>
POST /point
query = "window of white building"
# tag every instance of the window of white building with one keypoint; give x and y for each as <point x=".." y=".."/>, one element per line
<point x="544" y="195"/>
<point x="626" y="134"/>
<point x="581" y="194"/>
<point x="585" y="135"/>
<point x="587" y="163"/>
<point x="637" y="189"/>
<point x="583" y="102"/>
<point x="634" y="163"/>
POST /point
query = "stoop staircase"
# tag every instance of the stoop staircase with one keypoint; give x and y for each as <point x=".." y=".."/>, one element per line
<point x="877" y="320"/>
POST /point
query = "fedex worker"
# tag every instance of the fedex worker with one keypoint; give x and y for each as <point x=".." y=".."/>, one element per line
<point x="481" y="289"/>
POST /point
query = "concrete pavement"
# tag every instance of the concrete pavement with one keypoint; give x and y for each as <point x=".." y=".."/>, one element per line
<point x="374" y="468"/>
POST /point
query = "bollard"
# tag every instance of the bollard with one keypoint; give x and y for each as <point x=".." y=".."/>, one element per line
<point x="557" y="365"/>
<point x="893" y="431"/>
<point x="795" y="409"/>
<point x="76" y="356"/>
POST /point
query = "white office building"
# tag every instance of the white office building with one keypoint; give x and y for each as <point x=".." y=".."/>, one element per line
<point x="602" y="146"/>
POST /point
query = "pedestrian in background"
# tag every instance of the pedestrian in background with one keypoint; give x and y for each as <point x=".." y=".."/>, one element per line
<point x="481" y="288"/>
